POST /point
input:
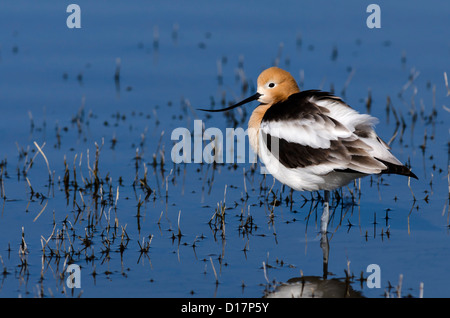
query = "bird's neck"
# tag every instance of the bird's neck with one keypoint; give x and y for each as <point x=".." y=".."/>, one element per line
<point x="254" y="124"/>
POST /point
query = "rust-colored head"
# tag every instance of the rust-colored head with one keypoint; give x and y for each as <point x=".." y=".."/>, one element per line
<point x="275" y="85"/>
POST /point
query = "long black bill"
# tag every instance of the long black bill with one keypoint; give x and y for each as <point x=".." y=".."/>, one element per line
<point x="245" y="101"/>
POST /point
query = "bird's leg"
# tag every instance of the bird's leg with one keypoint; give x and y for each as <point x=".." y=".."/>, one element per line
<point x="326" y="212"/>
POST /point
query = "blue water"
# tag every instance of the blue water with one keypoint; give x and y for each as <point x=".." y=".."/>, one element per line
<point x="55" y="73"/>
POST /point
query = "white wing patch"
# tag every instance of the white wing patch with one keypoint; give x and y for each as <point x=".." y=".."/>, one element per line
<point x="315" y="131"/>
<point x="353" y="120"/>
<point x="346" y="115"/>
<point x="319" y="129"/>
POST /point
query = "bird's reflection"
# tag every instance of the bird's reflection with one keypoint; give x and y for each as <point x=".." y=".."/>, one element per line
<point x="315" y="286"/>
<point x="325" y="245"/>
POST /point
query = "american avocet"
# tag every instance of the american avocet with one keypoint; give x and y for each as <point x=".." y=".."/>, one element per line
<point x="312" y="140"/>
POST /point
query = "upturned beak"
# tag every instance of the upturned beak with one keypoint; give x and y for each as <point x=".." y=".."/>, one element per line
<point x="245" y="101"/>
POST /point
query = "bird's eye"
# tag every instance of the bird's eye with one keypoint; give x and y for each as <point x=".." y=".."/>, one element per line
<point x="271" y="85"/>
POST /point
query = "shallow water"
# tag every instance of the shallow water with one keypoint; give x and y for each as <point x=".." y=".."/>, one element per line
<point x="57" y="87"/>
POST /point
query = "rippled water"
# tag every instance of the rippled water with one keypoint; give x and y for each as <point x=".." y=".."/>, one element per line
<point x="139" y="225"/>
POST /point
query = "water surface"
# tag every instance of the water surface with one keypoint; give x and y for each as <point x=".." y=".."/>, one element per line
<point x="57" y="87"/>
